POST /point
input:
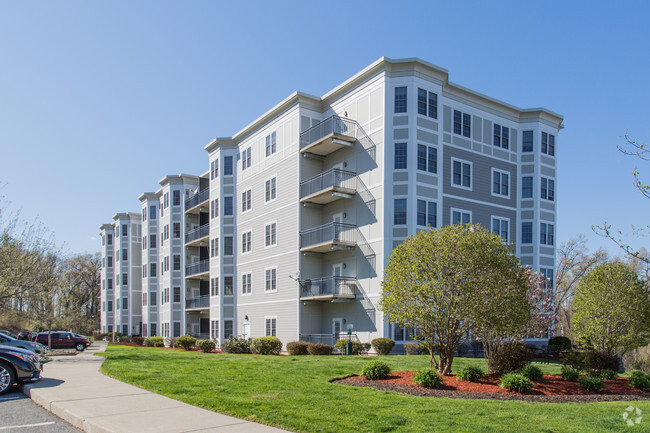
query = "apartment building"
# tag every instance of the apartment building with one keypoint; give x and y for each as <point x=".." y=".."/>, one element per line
<point x="289" y="231"/>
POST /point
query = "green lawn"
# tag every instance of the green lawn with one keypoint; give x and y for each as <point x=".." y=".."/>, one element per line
<point x="293" y="392"/>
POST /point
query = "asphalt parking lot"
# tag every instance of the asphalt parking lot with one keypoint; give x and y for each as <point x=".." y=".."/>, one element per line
<point x="19" y="414"/>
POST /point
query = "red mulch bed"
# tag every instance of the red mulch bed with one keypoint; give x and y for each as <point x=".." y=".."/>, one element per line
<point x="550" y="389"/>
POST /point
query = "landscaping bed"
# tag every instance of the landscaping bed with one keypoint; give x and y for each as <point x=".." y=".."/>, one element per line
<point x="551" y="389"/>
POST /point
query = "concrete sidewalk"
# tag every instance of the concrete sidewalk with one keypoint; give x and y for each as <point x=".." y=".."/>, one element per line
<point x="73" y="389"/>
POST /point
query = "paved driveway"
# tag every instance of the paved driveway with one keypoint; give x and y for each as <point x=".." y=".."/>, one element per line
<point x="21" y="415"/>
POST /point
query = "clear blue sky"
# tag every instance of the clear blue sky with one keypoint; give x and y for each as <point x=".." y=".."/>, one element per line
<point x="100" y="100"/>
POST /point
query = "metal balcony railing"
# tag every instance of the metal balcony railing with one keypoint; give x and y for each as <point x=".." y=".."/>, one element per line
<point x="197" y="268"/>
<point x="331" y="125"/>
<point x="198" y="302"/>
<point x="197" y="198"/>
<point x="201" y="335"/>
<point x="332" y="232"/>
<point x="342" y="287"/>
<point x="334" y="178"/>
<point x="197" y="233"/>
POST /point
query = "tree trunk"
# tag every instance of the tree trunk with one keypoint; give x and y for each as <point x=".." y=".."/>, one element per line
<point x="446" y="358"/>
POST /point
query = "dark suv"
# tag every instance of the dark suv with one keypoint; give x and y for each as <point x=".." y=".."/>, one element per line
<point x="62" y="340"/>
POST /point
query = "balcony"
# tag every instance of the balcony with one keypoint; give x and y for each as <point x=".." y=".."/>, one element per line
<point x="329" y="186"/>
<point x="193" y="204"/>
<point x="197" y="303"/>
<point x="328" y="237"/>
<point x="329" y="289"/>
<point x="198" y="237"/>
<point x="329" y="136"/>
<point x="200" y="335"/>
<point x="199" y="270"/>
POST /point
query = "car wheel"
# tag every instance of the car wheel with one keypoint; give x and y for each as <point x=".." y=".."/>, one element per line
<point x="80" y="347"/>
<point x="7" y="378"/>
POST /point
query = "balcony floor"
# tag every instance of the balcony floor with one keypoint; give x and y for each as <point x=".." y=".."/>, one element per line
<point x="327" y="144"/>
<point x="327" y="195"/>
<point x="200" y="242"/>
<point x="328" y="246"/>
<point x="330" y="298"/>
<point x="199" y="276"/>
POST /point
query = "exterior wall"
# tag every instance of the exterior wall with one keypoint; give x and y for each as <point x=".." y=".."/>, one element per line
<point x="128" y="319"/>
<point x="107" y="278"/>
<point x="149" y="254"/>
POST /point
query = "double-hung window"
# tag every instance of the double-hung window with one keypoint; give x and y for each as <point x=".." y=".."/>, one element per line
<point x="546" y="232"/>
<point x="527" y="141"/>
<point x="548" y="144"/>
<point x="271" y="280"/>
<point x="400" y="156"/>
<point x="246" y="159"/>
<point x="214" y="208"/>
<point x="176" y="198"/>
<point x="246" y="200"/>
<point x="462" y="123"/>
<point x="399" y="216"/>
<point x="227" y="165"/>
<point x="500" y="227"/>
<point x="270" y="189"/>
<point x="227" y="205"/>
<point x="427" y="158"/>
<point x="400" y="100"/>
<point x="548" y="189"/>
<point x="427" y="103"/>
<point x="501" y="136"/>
<point x="227" y="245"/>
<point x="214" y="169"/>
<point x="527" y="232"/>
<point x="177" y="262"/>
<point x="271" y="237"/>
<point x="227" y="286"/>
<point x="246" y="284"/>
<point x="214" y="247"/>
<point x="214" y="286"/>
<point x="460" y="216"/>
<point x="177" y="230"/>
<point x="246" y="242"/>
<point x="461" y="174"/>
<point x="527" y="187"/>
<point x="500" y="183"/>
<point x="271" y="326"/>
<point x="427" y="213"/>
<point x="271" y="146"/>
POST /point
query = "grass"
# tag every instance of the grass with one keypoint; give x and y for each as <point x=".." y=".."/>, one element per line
<point x="294" y="393"/>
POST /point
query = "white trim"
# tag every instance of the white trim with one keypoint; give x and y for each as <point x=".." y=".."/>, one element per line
<point x="471" y="174"/>
<point x="270" y="223"/>
<point x="501" y="219"/>
<point x="276" y="325"/>
<point x="276" y="279"/>
<point x="470" y="200"/>
<point x="462" y="211"/>
<point x="501" y="172"/>
<point x="249" y="190"/>
<point x="250" y="233"/>
<point x="250" y="284"/>
<point x="268" y="179"/>
<point x="277" y="301"/>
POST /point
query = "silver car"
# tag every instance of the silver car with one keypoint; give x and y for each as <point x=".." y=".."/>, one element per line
<point x="6" y="340"/>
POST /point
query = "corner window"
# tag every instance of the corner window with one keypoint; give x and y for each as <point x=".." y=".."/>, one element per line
<point x="399" y="217"/>
<point x="527" y="187"/>
<point x="400" y="100"/>
<point x="427" y="103"/>
<point x="527" y="141"/>
<point x="527" y="232"/>
<point x="461" y="174"/>
<point x="400" y="156"/>
<point x="548" y="189"/>
<point x="227" y="165"/>
<point x="548" y="144"/>
<point x="227" y="205"/>
<point x="427" y="158"/>
<point x="546" y="233"/>
<point x="462" y="123"/>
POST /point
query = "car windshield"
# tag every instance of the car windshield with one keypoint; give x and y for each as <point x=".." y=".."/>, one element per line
<point x="7" y="337"/>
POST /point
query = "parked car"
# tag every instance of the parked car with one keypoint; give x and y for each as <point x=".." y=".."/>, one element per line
<point x="26" y="335"/>
<point x="6" y="340"/>
<point x="17" y="365"/>
<point x="7" y="332"/>
<point x="62" y="340"/>
<point x="89" y="340"/>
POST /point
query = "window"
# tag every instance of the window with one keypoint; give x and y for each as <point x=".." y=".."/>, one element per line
<point x="548" y="189"/>
<point x="153" y="328"/>
<point x="166" y="200"/>
<point x="103" y="241"/>
<point x="527" y="141"/>
<point x="144" y="271"/>
<point x="400" y="100"/>
<point x="110" y="239"/>
<point x="177" y="294"/>
<point x="117" y="279"/>
<point x="227" y="205"/>
<point x="125" y="230"/>
<point x="104" y="306"/>
<point x="271" y="327"/>
<point x="214" y="247"/>
<point x="214" y="169"/>
<point x="125" y="279"/>
<point x="152" y="301"/>
<point x="177" y="230"/>
<point x="125" y="303"/>
<point x="214" y="208"/>
<point x="214" y="287"/>
<point x="110" y="284"/>
<point x="527" y="232"/>
<point x="548" y="275"/>
<point x="527" y="187"/>
<point x="427" y="212"/>
<point x="227" y="245"/>
<point x="246" y="159"/>
<point x="246" y="284"/>
<point x="109" y="262"/>
<point x="271" y="280"/>
<point x="214" y="330"/>
<point x="166" y="232"/>
<point x="177" y="329"/>
<point x="500" y="183"/>
<point x="427" y="158"/>
<point x="270" y="144"/>
<point x="144" y="299"/>
<point x="177" y="262"/>
<point x="227" y="286"/>
<point x="227" y="165"/>
<point x="399" y="216"/>
<point x="144" y="218"/>
<point x="501" y="136"/>
<point x="110" y="306"/>
<point x="246" y="242"/>
<point x="462" y="123"/>
<point x="460" y="217"/>
<point x="462" y="174"/>
<point x="400" y="156"/>
<point x="270" y="238"/>
<point x="546" y="234"/>
<point x="500" y="227"/>
<point x="548" y="144"/>
<point x="246" y="200"/>
<point x="227" y="329"/>
<point x="166" y="295"/>
<point x="166" y="263"/>
<point x="144" y="243"/>
<point x="270" y="189"/>
<point x="427" y="103"/>
<point x="152" y="269"/>
<point x="176" y="198"/>
<point x="152" y="241"/>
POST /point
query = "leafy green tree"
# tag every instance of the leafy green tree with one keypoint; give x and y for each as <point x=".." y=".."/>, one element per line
<point x="612" y="309"/>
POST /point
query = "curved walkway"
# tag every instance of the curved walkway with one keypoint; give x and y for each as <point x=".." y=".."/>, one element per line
<point x="73" y="389"/>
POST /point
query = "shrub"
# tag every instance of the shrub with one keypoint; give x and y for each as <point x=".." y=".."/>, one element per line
<point x="366" y="347"/>
<point x="341" y="345"/>
<point x="596" y="362"/>
<point x="516" y="382"/>
<point x="423" y="350"/>
<point x="382" y="346"/>
<point x="508" y="358"/>
<point x="319" y="349"/>
<point x="206" y="346"/>
<point x="375" y="370"/>
<point x="428" y="378"/>
<point x="170" y="342"/>
<point x="532" y="372"/>
<point x="186" y="342"/>
<point x="470" y="374"/>
<point x="154" y="342"/>
<point x="237" y="345"/>
<point x="411" y="348"/>
<point x="559" y="344"/>
<point x="574" y="360"/>
<point x="608" y="375"/>
<point x="138" y="340"/>
<point x="639" y="380"/>
<point x="266" y="345"/>
<point x="569" y="374"/>
<point x="297" y="348"/>
<point x="123" y="338"/>
<point x="592" y="384"/>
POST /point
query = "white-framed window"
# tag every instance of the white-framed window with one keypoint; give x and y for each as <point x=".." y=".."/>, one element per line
<point x="270" y="189"/>
<point x="214" y="169"/>
<point x="427" y="158"/>
<point x="527" y="141"/>
<point x="527" y="232"/>
<point x="214" y="286"/>
<point x="500" y="183"/>
<point x="399" y="211"/>
<point x="401" y="156"/>
<point x="270" y="234"/>
<point x="462" y="123"/>
<point x="501" y="227"/>
<point x="461" y="173"/>
<point x="246" y="283"/>
<point x="271" y="279"/>
<point x="459" y="216"/>
<point x="214" y="247"/>
<point x="501" y="136"/>
<point x="246" y="241"/>
<point x="228" y="205"/>
<point x="546" y="234"/>
<point x="401" y="99"/>
<point x="427" y="213"/>
<point x="527" y="187"/>
<point x="214" y="330"/>
<point x="246" y="200"/>
<point x="549" y="274"/>
<point x="427" y="103"/>
<point x="547" y="189"/>
<point x="548" y="144"/>
<point x="214" y="208"/>
<point x="271" y="325"/>
<point x="271" y="144"/>
<point x="246" y="159"/>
